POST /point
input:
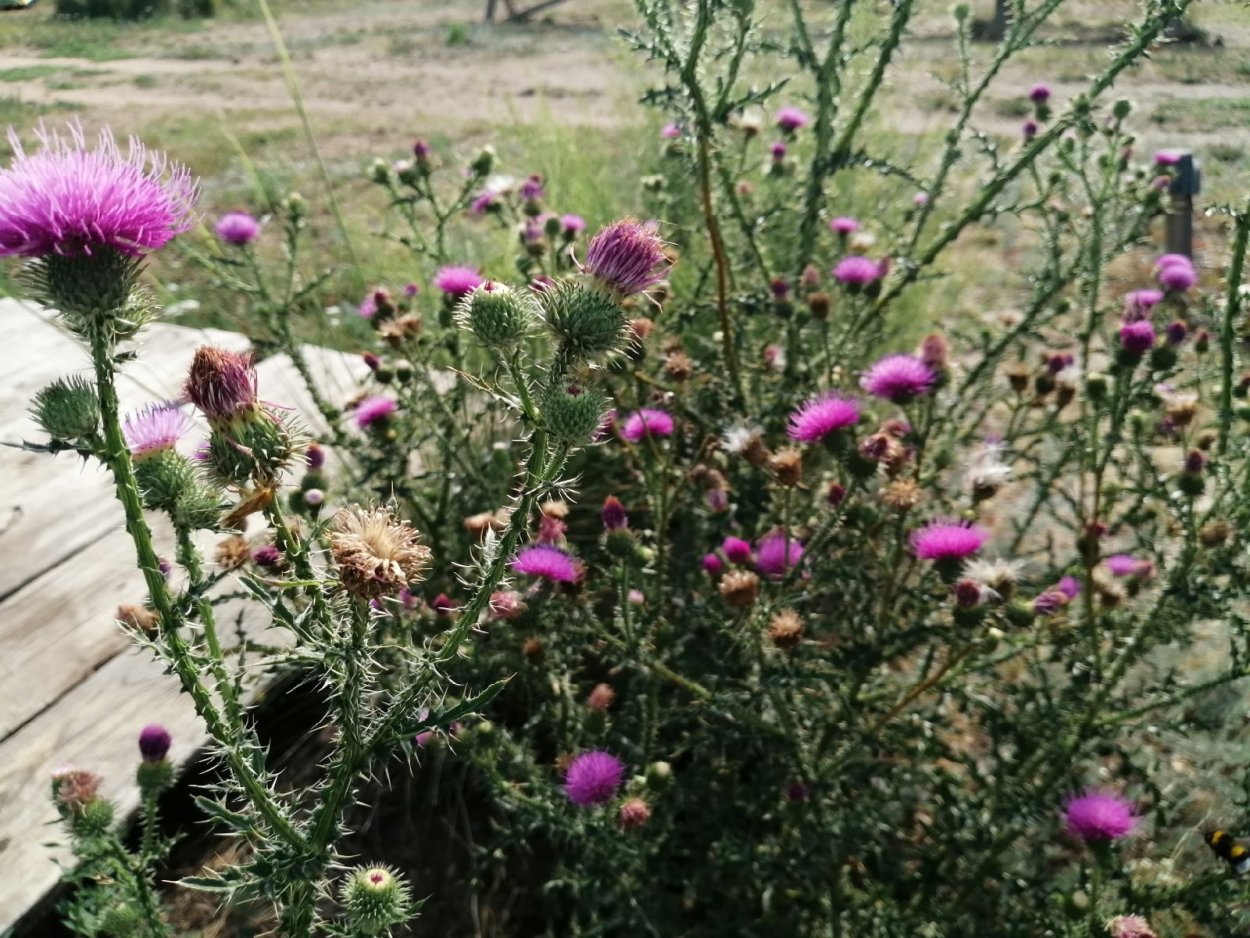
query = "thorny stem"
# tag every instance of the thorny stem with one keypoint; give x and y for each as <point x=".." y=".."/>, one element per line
<point x="1232" y="308"/>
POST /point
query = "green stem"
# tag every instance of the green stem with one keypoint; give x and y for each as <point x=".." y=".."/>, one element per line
<point x="1232" y="308"/>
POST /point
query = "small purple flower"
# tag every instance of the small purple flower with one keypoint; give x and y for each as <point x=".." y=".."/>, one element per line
<point x="778" y="151"/>
<point x="920" y="199"/>
<point x="670" y="131"/>
<point x="458" y="281"/>
<point x="1070" y="586"/>
<point x="368" y="307"/>
<point x="1175" y="332"/>
<point x="1177" y="277"/>
<point x="843" y="225"/>
<point x="898" y="378"/>
<point x="777" y="553"/>
<point x="71" y="201"/>
<point x="613" y="514"/>
<point x="532" y="189"/>
<point x="1039" y="94"/>
<point x="946" y="539"/>
<point x="374" y="410"/>
<point x="649" y="421"/>
<point x="550" y="563"/>
<point x="154" y="742"/>
<point x="1137" y="337"/>
<point x="857" y="271"/>
<point x="483" y="203"/>
<point x="1094" y="816"/>
<point x="626" y="257"/>
<point x="156" y="428"/>
<point x="1139" y="303"/>
<point x="717" y="500"/>
<point x="823" y="416"/>
<point x="790" y="119"/>
<point x="1050" y="602"/>
<point x="1028" y="130"/>
<point x="420" y="149"/>
<point x="237" y="228"/>
<point x="267" y="557"/>
<point x="572" y="224"/>
<point x="736" y="549"/>
<point x="1167" y="157"/>
<point x="712" y="564"/>
<point x="1124" y="565"/>
<point x="593" y="778"/>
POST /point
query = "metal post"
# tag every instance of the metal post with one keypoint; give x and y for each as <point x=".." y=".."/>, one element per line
<point x="1180" y="220"/>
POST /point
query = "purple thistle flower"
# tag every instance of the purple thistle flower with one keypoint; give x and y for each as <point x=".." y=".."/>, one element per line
<point x="670" y="131"/>
<point x="1094" y="816"/>
<point x="822" y="416"/>
<point x="593" y="778"/>
<point x="368" y="307"/>
<point x="649" y="421"/>
<point x="736" y="549"/>
<point x="1070" y="586"/>
<point x="613" y="515"/>
<point x="843" y="225"/>
<point x="484" y="203"/>
<point x="898" y="378"/>
<point x="790" y="119"/>
<point x="1122" y="565"/>
<point x="1039" y="94"/>
<point x="1177" y="277"/>
<point x="1028" y="129"/>
<point x="1167" y="260"/>
<point x="154" y="742"/>
<point x="420" y="149"/>
<point x="1050" y="602"/>
<point x="1175" y="332"/>
<point x="947" y="539"/>
<point x="1139" y="303"/>
<point x="626" y="257"/>
<point x="1137" y="337"/>
<point x="532" y="189"/>
<point x="458" y="281"/>
<point x="778" y="151"/>
<point x="237" y="228"/>
<point x="777" y="553"/>
<point x="920" y="199"/>
<point x="713" y="564"/>
<point x="267" y="556"/>
<point x="156" y="428"/>
<point x="550" y="563"/>
<point x="373" y="410"/>
<point x="857" y="271"/>
<point x="68" y="200"/>
<point x="572" y="224"/>
<point x="1167" y="157"/>
<point x="221" y="383"/>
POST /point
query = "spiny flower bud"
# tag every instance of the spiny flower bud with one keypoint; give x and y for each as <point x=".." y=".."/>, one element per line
<point x="572" y="414"/>
<point x="587" y="322"/>
<point x="613" y="514"/>
<point x="375" y="900"/>
<point x="154" y="742"/>
<point x="498" y="316"/>
<point x="626" y="257"/>
<point x="68" y="410"/>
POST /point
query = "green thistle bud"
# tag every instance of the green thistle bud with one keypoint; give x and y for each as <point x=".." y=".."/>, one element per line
<point x="960" y="11"/>
<point x="572" y="414"/>
<point x="380" y="172"/>
<point x="1096" y="387"/>
<point x="588" y="322"/>
<point x="295" y="206"/>
<point x="498" y="316"/>
<point x="121" y="920"/>
<point x="93" y="819"/>
<point x="89" y="285"/>
<point x="1163" y="357"/>
<point x="1019" y="612"/>
<point x="164" y="477"/>
<point x="376" y="900"/>
<point x="198" y="507"/>
<point x="659" y="774"/>
<point x="68" y="410"/>
<point x="484" y="162"/>
<point x="154" y="776"/>
<point x="255" y="446"/>
<point x="1122" y="109"/>
<point x="621" y="544"/>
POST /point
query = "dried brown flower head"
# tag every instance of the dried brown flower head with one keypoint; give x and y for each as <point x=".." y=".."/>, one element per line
<point x="233" y="551"/>
<point x="477" y="525"/>
<point x="679" y="366"/>
<point x="901" y="494"/>
<point x="76" y="788"/>
<point x="137" y="617"/>
<point x="398" y="331"/>
<point x="740" y="587"/>
<point x="555" y="508"/>
<point x="376" y="554"/>
<point x="787" y="466"/>
<point x="785" y="629"/>
<point x="532" y="648"/>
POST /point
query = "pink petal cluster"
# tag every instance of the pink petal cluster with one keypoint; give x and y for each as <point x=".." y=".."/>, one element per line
<point x="822" y="416"/>
<point x="857" y="271"/>
<point x="1096" y="816"/>
<point x="69" y="200"/>
<point x="593" y="778"/>
<point x="843" y="225"/>
<point x="1176" y="273"/>
<point x="777" y="553"/>
<point x="649" y="421"/>
<point x="946" y="539"/>
<point x="627" y="257"/>
<point x="374" y="410"/>
<point x="547" y="562"/>
<point x="458" y="281"/>
<point x="898" y="378"/>
<point x="790" y="119"/>
<point x="156" y="428"/>
<point x="237" y="228"/>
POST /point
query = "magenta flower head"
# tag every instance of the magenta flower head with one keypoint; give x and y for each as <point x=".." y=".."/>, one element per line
<point x="945" y="539"/>
<point x="857" y="271"/>
<point x="532" y="189"/>
<point x="374" y="410"/>
<point x="822" y="416"/>
<point x="156" y="428"/>
<point x="593" y="778"/>
<point x="1177" y="276"/>
<point x="572" y="224"/>
<point x="483" y="203"/>
<point x="1039" y="94"/>
<point x="458" y="281"/>
<point x="790" y="119"/>
<point x="670" y="131"/>
<point x="613" y="514"/>
<point x="777" y="553"/>
<point x="1097" y="817"/>
<point x="736" y="549"/>
<point x="1028" y="130"/>
<point x="547" y="562"/>
<point x="649" y="421"/>
<point x="898" y="378"/>
<point x="221" y="383"/>
<point x="843" y="225"/>
<point x="154" y="742"/>
<point x="237" y="228"/>
<point x="1070" y="586"/>
<point x="1139" y="303"/>
<point x="1167" y="157"/>
<point x="712" y="564"/>
<point x="70" y="201"/>
<point x="626" y="257"/>
<point x="1137" y="337"/>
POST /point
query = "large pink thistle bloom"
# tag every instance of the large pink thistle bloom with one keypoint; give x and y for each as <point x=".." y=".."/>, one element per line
<point x="649" y="421"/>
<point x="156" y="428"/>
<point x="550" y="563"/>
<point x="68" y="200"/>
<point x="777" y="553"/>
<point x="898" y="378"/>
<point x="1096" y="816"/>
<point x="945" y="539"/>
<point x="821" y="416"/>
<point x="458" y="281"/>
<point x="593" y="778"/>
<point x="626" y="257"/>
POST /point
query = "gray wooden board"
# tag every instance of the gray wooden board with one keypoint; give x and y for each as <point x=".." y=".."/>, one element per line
<point x="71" y="691"/>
